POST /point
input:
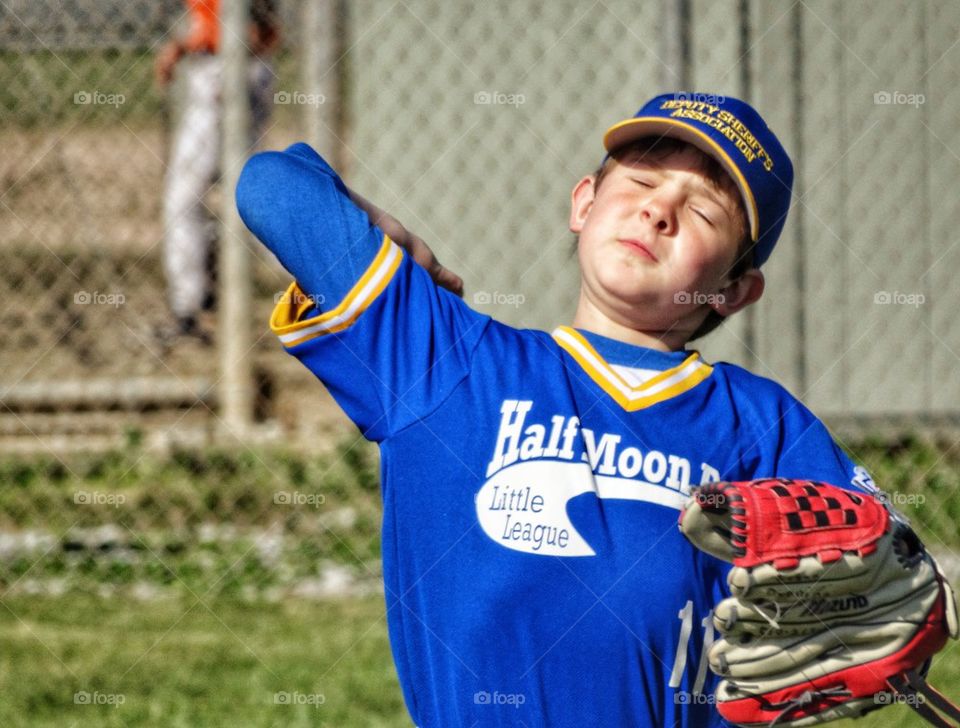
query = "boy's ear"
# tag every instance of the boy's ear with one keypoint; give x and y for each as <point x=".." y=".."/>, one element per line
<point x="740" y="293"/>
<point x="581" y="200"/>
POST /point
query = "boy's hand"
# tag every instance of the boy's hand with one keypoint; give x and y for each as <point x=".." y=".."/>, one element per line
<point x="836" y="605"/>
<point x="413" y="244"/>
<point x="422" y="253"/>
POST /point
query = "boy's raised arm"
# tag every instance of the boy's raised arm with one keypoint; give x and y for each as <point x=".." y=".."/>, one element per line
<point x="362" y="315"/>
<point x="321" y="232"/>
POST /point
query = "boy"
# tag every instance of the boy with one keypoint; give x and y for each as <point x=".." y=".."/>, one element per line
<point x="531" y="482"/>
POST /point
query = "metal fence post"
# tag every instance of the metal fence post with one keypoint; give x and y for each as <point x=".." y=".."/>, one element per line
<point x="234" y="339"/>
<point x="675" y="46"/>
<point x="320" y="49"/>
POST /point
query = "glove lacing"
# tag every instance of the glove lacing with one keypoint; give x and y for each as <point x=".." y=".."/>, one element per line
<point x="805" y="699"/>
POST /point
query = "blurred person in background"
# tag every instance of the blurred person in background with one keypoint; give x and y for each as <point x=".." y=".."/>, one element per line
<point x="189" y="227"/>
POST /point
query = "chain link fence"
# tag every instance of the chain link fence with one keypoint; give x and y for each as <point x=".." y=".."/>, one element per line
<point x="88" y="136"/>
<point x="496" y="124"/>
<point x="218" y="523"/>
<point x="91" y="379"/>
<point x="471" y="123"/>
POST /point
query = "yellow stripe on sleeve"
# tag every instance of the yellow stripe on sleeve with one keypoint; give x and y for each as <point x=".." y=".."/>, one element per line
<point x="286" y="320"/>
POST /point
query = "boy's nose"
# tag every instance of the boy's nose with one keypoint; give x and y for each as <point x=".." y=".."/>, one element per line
<point x="660" y="214"/>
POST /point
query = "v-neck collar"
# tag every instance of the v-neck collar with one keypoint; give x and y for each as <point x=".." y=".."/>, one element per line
<point x="669" y="383"/>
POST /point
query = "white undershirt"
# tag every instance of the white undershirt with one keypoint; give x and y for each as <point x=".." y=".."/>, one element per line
<point x="634" y="376"/>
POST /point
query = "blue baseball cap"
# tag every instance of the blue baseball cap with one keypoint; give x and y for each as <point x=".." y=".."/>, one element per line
<point x="732" y="132"/>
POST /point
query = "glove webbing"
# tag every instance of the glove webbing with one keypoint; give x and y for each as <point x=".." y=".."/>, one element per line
<point x="917" y="692"/>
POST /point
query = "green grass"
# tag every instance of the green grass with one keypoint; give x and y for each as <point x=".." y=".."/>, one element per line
<point x="177" y="660"/>
<point x="184" y="662"/>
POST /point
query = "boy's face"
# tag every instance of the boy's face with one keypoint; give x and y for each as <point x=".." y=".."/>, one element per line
<point x="657" y="241"/>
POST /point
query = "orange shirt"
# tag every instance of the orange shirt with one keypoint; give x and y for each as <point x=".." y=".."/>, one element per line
<point x="204" y="34"/>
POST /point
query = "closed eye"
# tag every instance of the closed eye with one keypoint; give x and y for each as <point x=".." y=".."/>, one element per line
<point x="643" y="182"/>
<point x="703" y="215"/>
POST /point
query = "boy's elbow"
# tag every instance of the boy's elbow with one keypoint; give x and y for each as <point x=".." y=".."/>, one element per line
<point x="252" y="194"/>
<point x="271" y="182"/>
<point x="267" y="196"/>
<point x="283" y="196"/>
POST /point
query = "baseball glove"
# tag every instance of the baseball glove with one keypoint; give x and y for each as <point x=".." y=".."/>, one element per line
<point x="836" y="607"/>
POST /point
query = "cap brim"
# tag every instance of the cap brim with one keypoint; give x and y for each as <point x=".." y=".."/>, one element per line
<point x="630" y="129"/>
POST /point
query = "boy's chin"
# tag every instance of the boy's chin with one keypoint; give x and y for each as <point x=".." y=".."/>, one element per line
<point x="627" y="286"/>
<point x="627" y="295"/>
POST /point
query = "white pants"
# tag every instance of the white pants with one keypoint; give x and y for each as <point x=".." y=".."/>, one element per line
<point x="194" y="165"/>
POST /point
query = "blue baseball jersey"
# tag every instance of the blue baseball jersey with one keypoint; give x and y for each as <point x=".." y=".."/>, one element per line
<point x="532" y="481"/>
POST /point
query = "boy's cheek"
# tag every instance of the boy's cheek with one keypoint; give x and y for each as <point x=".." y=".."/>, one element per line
<point x="588" y="243"/>
<point x="609" y="205"/>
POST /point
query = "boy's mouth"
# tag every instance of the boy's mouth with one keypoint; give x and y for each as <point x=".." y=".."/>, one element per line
<point x="637" y="246"/>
